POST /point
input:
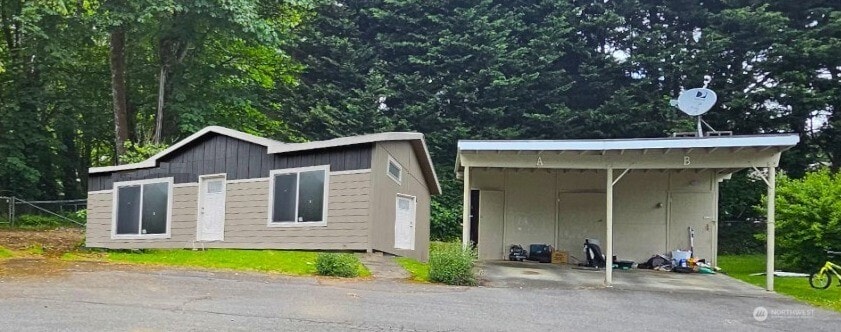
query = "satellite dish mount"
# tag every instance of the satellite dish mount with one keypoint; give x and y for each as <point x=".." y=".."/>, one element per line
<point x="695" y="102"/>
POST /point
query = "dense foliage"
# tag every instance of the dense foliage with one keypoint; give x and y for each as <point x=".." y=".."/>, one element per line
<point x="808" y="219"/>
<point x="80" y="78"/>
<point x="69" y="69"/>
<point x="565" y="69"/>
<point x="452" y="264"/>
<point x="740" y="237"/>
<point x="739" y="219"/>
<point x="33" y="221"/>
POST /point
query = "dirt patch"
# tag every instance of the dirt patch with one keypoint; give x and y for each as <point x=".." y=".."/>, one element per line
<point x="31" y="267"/>
<point x="52" y="243"/>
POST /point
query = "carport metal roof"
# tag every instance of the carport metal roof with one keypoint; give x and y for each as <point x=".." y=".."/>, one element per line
<point x="724" y="154"/>
<point x="728" y="153"/>
<point x="777" y="140"/>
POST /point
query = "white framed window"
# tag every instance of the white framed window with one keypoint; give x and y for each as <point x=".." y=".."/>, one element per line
<point x="395" y="171"/>
<point x="142" y="209"/>
<point x="298" y="196"/>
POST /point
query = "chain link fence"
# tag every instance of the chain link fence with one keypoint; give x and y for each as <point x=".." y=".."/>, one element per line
<point x="19" y="212"/>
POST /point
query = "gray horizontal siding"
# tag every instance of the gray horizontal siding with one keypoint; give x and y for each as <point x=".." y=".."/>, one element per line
<point x="246" y="217"/>
<point x="214" y="154"/>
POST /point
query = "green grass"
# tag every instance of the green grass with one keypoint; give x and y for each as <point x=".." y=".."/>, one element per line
<point x="35" y="249"/>
<point x="419" y="270"/>
<point x="5" y="253"/>
<point x="363" y="271"/>
<point x="741" y="266"/>
<point x="275" y="261"/>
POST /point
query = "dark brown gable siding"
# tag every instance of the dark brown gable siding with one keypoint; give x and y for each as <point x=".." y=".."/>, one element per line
<point x="214" y="154"/>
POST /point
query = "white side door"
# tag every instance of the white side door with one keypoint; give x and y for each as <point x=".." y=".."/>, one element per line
<point x="696" y="210"/>
<point x="404" y="223"/>
<point x="211" y="221"/>
<point x="491" y="212"/>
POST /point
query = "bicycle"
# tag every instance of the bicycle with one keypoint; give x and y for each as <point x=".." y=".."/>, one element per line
<point x="823" y="278"/>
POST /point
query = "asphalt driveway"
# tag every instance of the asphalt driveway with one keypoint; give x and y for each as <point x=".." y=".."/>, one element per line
<point x="120" y="298"/>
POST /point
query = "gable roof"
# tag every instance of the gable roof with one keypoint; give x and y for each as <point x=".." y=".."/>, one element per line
<point x="273" y="147"/>
<point x="415" y="139"/>
<point x="153" y="160"/>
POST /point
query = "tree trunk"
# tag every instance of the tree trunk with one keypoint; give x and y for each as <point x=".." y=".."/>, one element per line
<point x="117" y="48"/>
<point x="159" y="116"/>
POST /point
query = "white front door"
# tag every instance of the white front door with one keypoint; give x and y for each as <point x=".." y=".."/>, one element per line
<point x="404" y="223"/>
<point x="211" y="221"/>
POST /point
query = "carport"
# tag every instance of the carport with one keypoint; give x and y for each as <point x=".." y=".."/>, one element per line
<point x="638" y="197"/>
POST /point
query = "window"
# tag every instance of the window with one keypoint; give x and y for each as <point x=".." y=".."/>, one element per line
<point x="142" y="209"/>
<point x="298" y="196"/>
<point x="395" y="171"/>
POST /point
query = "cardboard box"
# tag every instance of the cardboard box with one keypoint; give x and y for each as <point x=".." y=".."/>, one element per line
<point x="560" y="257"/>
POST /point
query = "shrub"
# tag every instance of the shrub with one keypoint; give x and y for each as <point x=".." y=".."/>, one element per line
<point x="446" y="220"/>
<point x="337" y="265"/>
<point x="38" y="221"/>
<point x="808" y="219"/>
<point x="81" y="215"/>
<point x="450" y="263"/>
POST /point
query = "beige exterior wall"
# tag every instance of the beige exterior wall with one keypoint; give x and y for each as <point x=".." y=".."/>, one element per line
<point x="384" y="196"/>
<point x="246" y="218"/>
<point x="562" y="208"/>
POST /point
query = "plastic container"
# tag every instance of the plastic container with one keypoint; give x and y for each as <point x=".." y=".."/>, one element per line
<point x="679" y="255"/>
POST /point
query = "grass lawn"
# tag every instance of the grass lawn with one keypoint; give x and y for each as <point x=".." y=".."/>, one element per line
<point x="741" y="266"/>
<point x="274" y="261"/>
<point x="419" y="271"/>
<point x="284" y="262"/>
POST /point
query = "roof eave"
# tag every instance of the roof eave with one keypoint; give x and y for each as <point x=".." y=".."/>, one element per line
<point x="778" y="140"/>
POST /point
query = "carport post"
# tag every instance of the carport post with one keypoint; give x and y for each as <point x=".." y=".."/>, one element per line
<point x="608" y="268"/>
<point x="769" y="239"/>
<point x="465" y="214"/>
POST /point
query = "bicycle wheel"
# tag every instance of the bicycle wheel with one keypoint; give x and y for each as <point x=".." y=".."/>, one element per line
<point x="820" y="280"/>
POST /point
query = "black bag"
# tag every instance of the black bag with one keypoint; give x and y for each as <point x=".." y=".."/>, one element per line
<point x="517" y="253"/>
<point x="594" y="255"/>
<point x="541" y="253"/>
<point x="654" y="261"/>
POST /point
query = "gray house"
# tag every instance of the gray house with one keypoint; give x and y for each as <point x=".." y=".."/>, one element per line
<point x="221" y="188"/>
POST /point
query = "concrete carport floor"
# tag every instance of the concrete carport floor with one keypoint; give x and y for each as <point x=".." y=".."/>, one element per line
<point x="511" y="274"/>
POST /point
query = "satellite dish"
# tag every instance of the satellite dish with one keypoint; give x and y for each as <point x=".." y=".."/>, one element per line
<point x="696" y="101"/>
